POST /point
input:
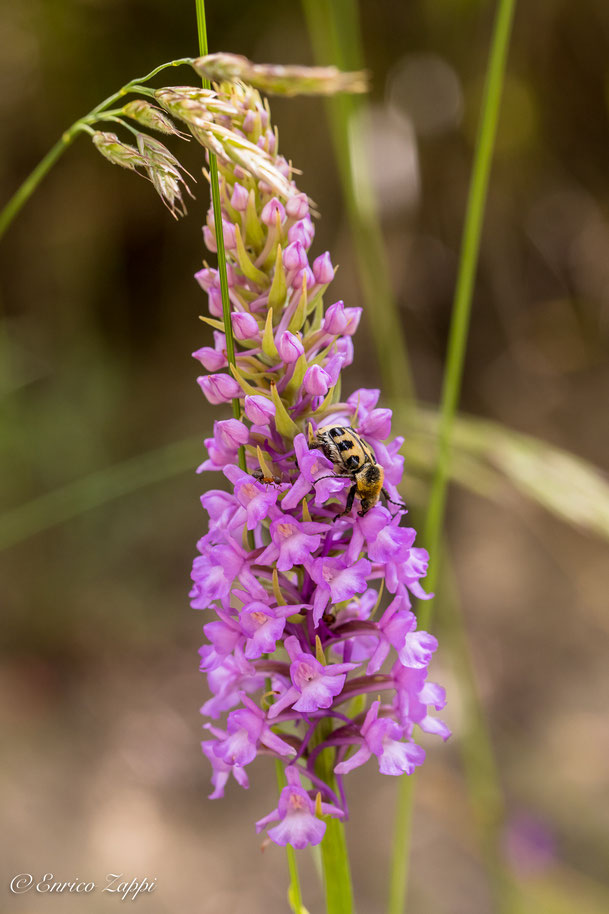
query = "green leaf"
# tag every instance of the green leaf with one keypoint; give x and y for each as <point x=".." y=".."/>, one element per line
<point x="485" y="453"/>
<point x="279" y="289"/>
<point x="249" y="268"/>
<point x="284" y="423"/>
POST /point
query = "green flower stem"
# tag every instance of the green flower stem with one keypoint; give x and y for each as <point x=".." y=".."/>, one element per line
<point x="484" y="789"/>
<point x="335" y="35"/>
<point x="215" y="195"/>
<point x="334" y="855"/>
<point x="294" y="893"/>
<point x="470" y="248"/>
<point x="25" y="191"/>
<point x="452" y="381"/>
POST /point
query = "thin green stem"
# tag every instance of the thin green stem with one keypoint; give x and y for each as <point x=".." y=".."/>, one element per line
<point x="334" y="854"/>
<point x="479" y="764"/>
<point x="336" y="38"/>
<point x="27" y="188"/>
<point x="97" y="489"/>
<point x="33" y="180"/>
<point x="294" y="894"/>
<point x="217" y="207"/>
<point x="402" y="839"/>
<point x="452" y="381"/>
<point x="470" y="248"/>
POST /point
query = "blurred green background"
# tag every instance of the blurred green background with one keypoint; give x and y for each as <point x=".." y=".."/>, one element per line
<point x="102" y="770"/>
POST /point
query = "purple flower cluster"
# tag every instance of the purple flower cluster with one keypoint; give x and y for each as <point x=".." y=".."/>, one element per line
<point x="307" y="616"/>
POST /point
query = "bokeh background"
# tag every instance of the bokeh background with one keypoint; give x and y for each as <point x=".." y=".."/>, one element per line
<point x="101" y="766"/>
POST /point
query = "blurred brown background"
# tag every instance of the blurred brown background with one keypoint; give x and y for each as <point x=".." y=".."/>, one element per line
<point x="101" y="767"/>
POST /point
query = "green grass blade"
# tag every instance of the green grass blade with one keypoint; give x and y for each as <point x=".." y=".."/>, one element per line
<point x="468" y="261"/>
<point x="335" y="35"/>
<point x="97" y="489"/>
<point x="452" y="380"/>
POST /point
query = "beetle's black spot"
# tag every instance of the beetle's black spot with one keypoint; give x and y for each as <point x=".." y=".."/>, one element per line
<point x="345" y="446"/>
<point x="352" y="463"/>
<point x="336" y="432"/>
<point x="373" y="475"/>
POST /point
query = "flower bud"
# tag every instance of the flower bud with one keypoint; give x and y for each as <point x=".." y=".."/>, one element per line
<point x="377" y="424"/>
<point x="289" y="346"/>
<point x="214" y="297"/>
<point x="228" y="232"/>
<point x="270" y="210"/>
<point x="283" y="167"/>
<point x="335" y="319"/>
<point x="295" y="257"/>
<point x="207" y="278"/>
<point x="219" y="388"/>
<point x="353" y="316"/>
<point x="210" y="239"/>
<point x="307" y="273"/>
<point x="239" y="198"/>
<point x="316" y="381"/>
<point x="333" y="368"/>
<point x="302" y="231"/>
<point x="344" y="347"/>
<point x="270" y="142"/>
<point x="259" y="410"/>
<point x="323" y="269"/>
<point x="249" y="122"/>
<point x="210" y="358"/>
<point x="245" y="326"/>
<point x="230" y="433"/>
<point x="297" y="207"/>
<point x="231" y="276"/>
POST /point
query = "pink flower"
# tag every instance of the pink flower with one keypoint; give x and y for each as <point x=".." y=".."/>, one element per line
<point x="314" y="686"/>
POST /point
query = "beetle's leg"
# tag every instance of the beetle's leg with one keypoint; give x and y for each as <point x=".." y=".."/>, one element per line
<point x="332" y="476"/>
<point x="386" y="497"/>
<point x="349" y="505"/>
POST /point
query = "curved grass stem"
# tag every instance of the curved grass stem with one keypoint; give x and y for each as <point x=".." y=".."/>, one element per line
<point x="468" y="262"/>
<point x="27" y="188"/>
<point x="217" y="207"/>
<point x="335" y="35"/>
<point x="452" y="383"/>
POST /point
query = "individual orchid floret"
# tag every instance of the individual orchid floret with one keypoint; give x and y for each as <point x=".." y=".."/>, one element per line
<point x="298" y="815"/>
<point x="382" y="737"/>
<point x="314" y="685"/>
<point x="397" y="629"/>
<point x="263" y="626"/>
<point x="337" y="580"/>
<point x="221" y="771"/>
<point x="246" y="728"/>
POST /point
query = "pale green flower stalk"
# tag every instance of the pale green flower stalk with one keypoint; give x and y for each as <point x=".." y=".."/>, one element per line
<point x="450" y="396"/>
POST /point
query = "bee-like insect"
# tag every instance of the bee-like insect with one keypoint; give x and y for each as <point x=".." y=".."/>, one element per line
<point x="350" y="453"/>
<point x="267" y="480"/>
